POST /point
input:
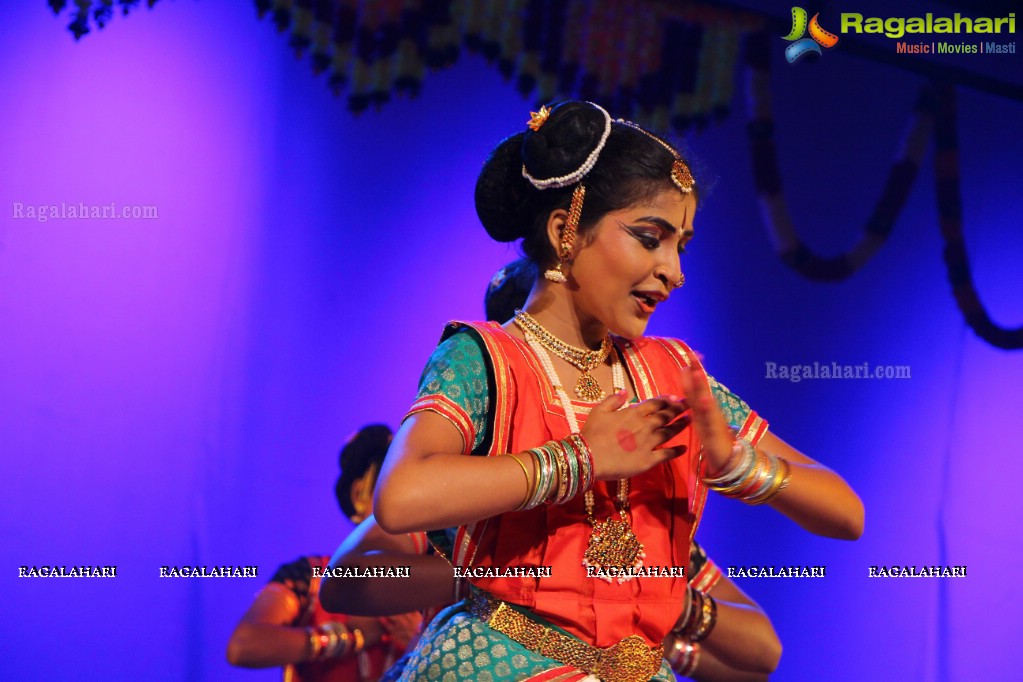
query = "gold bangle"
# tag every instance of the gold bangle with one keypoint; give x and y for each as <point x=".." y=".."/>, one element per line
<point x="781" y="481"/>
<point x="314" y="643"/>
<point x="360" y="640"/>
<point x="708" y="618"/>
<point x="346" y="643"/>
<point x="561" y="464"/>
<point x="537" y="468"/>
<point x="754" y="472"/>
<point x="763" y="482"/>
<point x="337" y="633"/>
<point x="529" y="487"/>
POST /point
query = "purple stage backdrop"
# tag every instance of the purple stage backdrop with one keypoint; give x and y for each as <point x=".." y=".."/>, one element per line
<point x="175" y="384"/>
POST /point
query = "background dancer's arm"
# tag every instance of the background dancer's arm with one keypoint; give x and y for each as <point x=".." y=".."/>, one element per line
<point x="430" y="582"/>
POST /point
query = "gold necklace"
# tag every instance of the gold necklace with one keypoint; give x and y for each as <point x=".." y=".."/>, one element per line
<point x="612" y="546"/>
<point x="587" y="387"/>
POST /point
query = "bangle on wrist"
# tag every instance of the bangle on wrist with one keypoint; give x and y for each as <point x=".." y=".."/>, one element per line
<point x="313" y="645"/>
<point x="708" y="619"/>
<point x="529" y="482"/>
<point x="562" y="470"/>
<point x="687" y="607"/>
<point x="684" y="656"/>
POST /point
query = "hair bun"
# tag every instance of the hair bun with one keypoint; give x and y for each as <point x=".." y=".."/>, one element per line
<point x="502" y="194"/>
<point x="366" y="448"/>
<point x="564" y="142"/>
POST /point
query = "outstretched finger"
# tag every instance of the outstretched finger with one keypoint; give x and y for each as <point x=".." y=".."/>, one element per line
<point x="650" y="406"/>
<point x="669" y="431"/>
<point x="670" y="403"/>
<point x="667" y="454"/>
<point x="709" y="421"/>
<point x="699" y="397"/>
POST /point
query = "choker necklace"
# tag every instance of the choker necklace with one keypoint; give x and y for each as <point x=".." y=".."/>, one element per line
<point x="583" y="360"/>
<point x="613" y="551"/>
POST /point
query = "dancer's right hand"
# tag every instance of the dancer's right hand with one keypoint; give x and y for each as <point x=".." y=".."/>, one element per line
<point x="627" y="441"/>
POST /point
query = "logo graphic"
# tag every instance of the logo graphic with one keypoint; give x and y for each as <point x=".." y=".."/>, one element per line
<point x="818" y="36"/>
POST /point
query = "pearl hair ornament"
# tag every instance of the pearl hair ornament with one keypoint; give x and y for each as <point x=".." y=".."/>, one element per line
<point x="576" y="175"/>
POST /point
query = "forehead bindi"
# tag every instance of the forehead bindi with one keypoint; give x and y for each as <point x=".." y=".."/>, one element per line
<point x="668" y="211"/>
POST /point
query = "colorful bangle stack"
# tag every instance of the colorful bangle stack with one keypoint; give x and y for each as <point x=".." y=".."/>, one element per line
<point x="698" y="618"/>
<point x="334" y="640"/>
<point x="751" y="475"/>
<point x="562" y="470"/>
<point x="683" y="657"/>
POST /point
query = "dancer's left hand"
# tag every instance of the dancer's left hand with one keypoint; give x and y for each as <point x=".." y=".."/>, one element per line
<point x="709" y="421"/>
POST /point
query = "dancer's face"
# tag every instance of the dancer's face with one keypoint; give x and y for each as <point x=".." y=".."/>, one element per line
<point x="629" y="263"/>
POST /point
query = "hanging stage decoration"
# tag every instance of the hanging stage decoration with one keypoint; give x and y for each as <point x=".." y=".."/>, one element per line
<point x="948" y="192"/>
<point x="668" y="65"/>
<point x="98" y="11"/>
<point x="767" y="176"/>
<point x="933" y="118"/>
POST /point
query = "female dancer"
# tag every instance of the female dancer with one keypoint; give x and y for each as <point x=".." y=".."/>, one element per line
<point x="286" y="626"/>
<point x="592" y="499"/>
<point x="741" y="647"/>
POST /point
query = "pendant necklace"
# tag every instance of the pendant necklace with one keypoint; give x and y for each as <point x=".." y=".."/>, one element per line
<point x="612" y="547"/>
<point x="582" y="359"/>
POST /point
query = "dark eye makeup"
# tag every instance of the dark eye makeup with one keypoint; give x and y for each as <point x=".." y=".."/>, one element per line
<point x="652" y="240"/>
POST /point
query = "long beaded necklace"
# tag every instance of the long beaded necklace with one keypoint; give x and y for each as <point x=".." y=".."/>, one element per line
<point x="582" y="359"/>
<point x="612" y="544"/>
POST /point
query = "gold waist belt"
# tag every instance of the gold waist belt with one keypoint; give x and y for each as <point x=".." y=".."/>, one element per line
<point x="630" y="660"/>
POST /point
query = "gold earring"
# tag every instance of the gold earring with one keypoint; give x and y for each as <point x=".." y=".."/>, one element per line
<point x="362" y="493"/>
<point x="575" y="211"/>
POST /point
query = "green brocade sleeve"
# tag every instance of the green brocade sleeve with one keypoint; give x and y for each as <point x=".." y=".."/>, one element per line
<point x="454" y="385"/>
<point x="735" y="408"/>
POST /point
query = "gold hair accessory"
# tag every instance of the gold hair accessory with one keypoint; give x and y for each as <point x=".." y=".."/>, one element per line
<point x="575" y="211"/>
<point x="680" y="173"/>
<point x="538" y="118"/>
<point x="362" y="493"/>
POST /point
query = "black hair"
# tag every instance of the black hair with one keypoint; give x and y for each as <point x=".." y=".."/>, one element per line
<point x="508" y="289"/>
<point x="631" y="167"/>
<point x="367" y="447"/>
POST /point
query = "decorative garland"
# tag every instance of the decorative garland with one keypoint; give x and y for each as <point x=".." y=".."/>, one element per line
<point x="947" y="191"/>
<point x="679" y="72"/>
<point x="935" y="110"/>
<point x="767" y="177"/>
<point x="99" y="11"/>
<point x="661" y="63"/>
